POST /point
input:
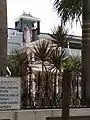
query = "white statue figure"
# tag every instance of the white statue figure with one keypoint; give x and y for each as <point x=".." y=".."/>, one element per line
<point x="27" y="34"/>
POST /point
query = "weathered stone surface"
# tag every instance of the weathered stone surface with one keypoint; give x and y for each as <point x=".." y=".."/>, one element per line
<point x="70" y="118"/>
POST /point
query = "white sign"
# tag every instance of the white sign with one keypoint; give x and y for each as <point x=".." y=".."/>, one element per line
<point x="9" y="93"/>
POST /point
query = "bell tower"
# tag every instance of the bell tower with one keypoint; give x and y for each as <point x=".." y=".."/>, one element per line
<point x="28" y="24"/>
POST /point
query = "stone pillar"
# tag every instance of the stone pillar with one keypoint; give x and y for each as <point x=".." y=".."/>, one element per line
<point x="86" y="52"/>
<point x="3" y="36"/>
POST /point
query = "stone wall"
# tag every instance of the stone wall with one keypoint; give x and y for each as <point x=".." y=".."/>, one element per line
<point x="44" y="114"/>
<point x="71" y="118"/>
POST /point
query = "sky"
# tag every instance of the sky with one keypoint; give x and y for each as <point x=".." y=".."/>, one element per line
<point x="42" y="9"/>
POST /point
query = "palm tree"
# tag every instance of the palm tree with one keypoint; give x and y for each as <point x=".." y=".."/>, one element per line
<point x="19" y="66"/>
<point x="60" y="37"/>
<point x="60" y="40"/>
<point x="73" y="64"/>
<point x="71" y="9"/>
<point x="68" y="9"/>
<point x="66" y="94"/>
<point x="42" y="51"/>
<point x="3" y="36"/>
<point x="56" y="60"/>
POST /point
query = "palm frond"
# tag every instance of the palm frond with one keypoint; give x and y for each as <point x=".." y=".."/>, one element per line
<point x="68" y="9"/>
<point x="73" y="63"/>
<point x="60" y="37"/>
<point x="56" y="58"/>
<point x="18" y="64"/>
<point x="42" y="50"/>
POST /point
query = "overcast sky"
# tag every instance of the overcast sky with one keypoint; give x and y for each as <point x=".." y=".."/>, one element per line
<point x="42" y="9"/>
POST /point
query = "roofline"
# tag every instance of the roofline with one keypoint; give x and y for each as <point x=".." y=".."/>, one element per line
<point x="34" y="19"/>
<point x="67" y="34"/>
<point x="73" y="36"/>
<point x="14" y="29"/>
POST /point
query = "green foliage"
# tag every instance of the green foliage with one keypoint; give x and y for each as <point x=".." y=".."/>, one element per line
<point x="42" y="50"/>
<point x="40" y="88"/>
<point x="60" y="41"/>
<point x="73" y="63"/>
<point x="68" y="9"/>
<point x="56" y="59"/>
<point x="18" y="64"/>
<point x="60" y="37"/>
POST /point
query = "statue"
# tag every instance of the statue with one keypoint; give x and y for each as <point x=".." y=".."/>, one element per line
<point x="27" y="34"/>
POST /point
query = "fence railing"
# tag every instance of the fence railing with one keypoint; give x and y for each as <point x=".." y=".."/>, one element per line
<point x="41" y="92"/>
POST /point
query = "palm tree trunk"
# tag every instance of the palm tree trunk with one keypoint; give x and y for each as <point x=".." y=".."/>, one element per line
<point x="3" y="36"/>
<point x="77" y="95"/>
<point x="55" y="80"/>
<point x="66" y="95"/>
<point x="60" y="71"/>
<point x="42" y="67"/>
<point x="86" y="52"/>
<point x="30" y="86"/>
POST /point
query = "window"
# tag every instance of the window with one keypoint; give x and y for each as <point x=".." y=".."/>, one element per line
<point x="74" y="45"/>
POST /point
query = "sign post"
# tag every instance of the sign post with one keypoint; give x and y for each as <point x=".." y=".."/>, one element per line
<point x="9" y="93"/>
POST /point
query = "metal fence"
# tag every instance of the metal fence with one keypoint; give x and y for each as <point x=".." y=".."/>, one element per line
<point x="45" y="91"/>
